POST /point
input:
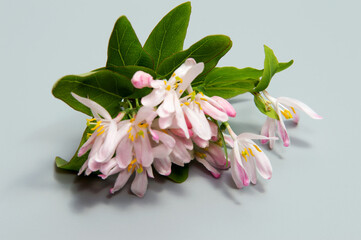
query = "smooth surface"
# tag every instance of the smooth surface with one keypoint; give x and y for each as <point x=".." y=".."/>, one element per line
<point x="315" y="189"/>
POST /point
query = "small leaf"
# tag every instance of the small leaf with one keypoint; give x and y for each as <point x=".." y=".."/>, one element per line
<point x="179" y="174"/>
<point x="207" y="50"/>
<point x="102" y="86"/>
<point x="283" y="66"/>
<point x="270" y="68"/>
<point x="124" y="47"/>
<point x="76" y="162"/>
<point x="168" y="36"/>
<point x="267" y="110"/>
<point x="228" y="82"/>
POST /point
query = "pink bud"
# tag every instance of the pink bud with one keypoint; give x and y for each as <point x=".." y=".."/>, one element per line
<point x="141" y="79"/>
<point x="228" y="108"/>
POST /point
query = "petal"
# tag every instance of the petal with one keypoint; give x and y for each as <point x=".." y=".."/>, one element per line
<point x="217" y="154"/>
<point x="121" y="181"/>
<point x="200" y="142"/>
<point x="166" y="122"/>
<point x="154" y="98"/>
<point x="300" y="105"/>
<point x="243" y="136"/>
<point x="161" y="151"/>
<point x="225" y="105"/>
<point x="263" y="164"/>
<point x="200" y="125"/>
<point x="95" y="107"/>
<point x="167" y="107"/>
<point x="87" y="145"/>
<point x="188" y="71"/>
<point x="139" y="184"/>
<point x="265" y="130"/>
<point x="238" y="174"/>
<point x="150" y="172"/>
<point x="214" y="112"/>
<point x="147" y="153"/>
<point x="163" y="166"/>
<point x="124" y="153"/>
<point x="145" y="114"/>
<point x="283" y="133"/>
<point x="166" y="139"/>
<point x="209" y="167"/>
<point x="110" y="143"/>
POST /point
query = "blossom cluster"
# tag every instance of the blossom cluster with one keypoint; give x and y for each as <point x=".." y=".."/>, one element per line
<point x="175" y="124"/>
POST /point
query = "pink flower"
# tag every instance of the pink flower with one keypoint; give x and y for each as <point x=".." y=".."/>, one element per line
<point x="246" y="157"/>
<point x="105" y="138"/>
<point x="166" y="94"/>
<point x="287" y="107"/>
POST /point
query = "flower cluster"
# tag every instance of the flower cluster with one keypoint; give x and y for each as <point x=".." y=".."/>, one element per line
<point x="174" y="125"/>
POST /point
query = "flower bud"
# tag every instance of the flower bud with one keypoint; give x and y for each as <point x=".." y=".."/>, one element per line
<point x="228" y="108"/>
<point x="141" y="79"/>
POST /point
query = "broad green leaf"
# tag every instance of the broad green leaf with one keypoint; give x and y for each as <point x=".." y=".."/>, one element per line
<point x="168" y="36"/>
<point x="124" y="47"/>
<point x="179" y="174"/>
<point x="75" y="162"/>
<point x="208" y="50"/>
<point x="283" y="66"/>
<point x="102" y="86"/>
<point x="229" y="82"/>
<point x="270" y="68"/>
<point x="261" y="105"/>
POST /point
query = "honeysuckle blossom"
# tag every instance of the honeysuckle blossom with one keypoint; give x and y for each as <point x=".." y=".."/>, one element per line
<point x="286" y="107"/>
<point x="140" y="182"/>
<point x="246" y="157"/>
<point x="167" y="93"/>
<point x="105" y="138"/>
<point x="212" y="158"/>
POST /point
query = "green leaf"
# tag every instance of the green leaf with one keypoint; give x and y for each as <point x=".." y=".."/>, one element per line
<point x="283" y="66"/>
<point x="263" y="108"/>
<point x="168" y="36"/>
<point x="270" y="68"/>
<point x="179" y="174"/>
<point x="208" y="50"/>
<point x="124" y="47"/>
<point x="76" y="162"/>
<point x="228" y="82"/>
<point x="102" y="86"/>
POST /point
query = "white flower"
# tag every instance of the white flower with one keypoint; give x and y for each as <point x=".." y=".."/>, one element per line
<point x="286" y="107"/>
<point x="167" y="93"/>
<point x="246" y="157"/>
<point x="105" y="138"/>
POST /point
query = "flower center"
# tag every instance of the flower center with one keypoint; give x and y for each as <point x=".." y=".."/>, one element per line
<point x="98" y="127"/>
<point x="134" y="165"/>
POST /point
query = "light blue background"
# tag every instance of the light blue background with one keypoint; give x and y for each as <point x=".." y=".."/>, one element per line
<point x="315" y="189"/>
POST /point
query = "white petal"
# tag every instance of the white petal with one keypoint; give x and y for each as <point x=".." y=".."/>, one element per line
<point x="95" y="107"/>
<point x="299" y="105"/>
<point x="154" y="98"/>
<point x="200" y="125"/>
<point x="263" y="164"/>
<point x="124" y="153"/>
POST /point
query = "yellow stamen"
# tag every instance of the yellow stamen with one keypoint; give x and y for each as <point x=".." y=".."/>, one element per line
<point x="180" y="91"/>
<point x="201" y="94"/>
<point x="287" y="114"/>
<point x="203" y="99"/>
<point x="96" y="126"/>
<point x="165" y="82"/>
<point x="168" y="88"/>
<point x="245" y="150"/>
<point x="200" y="155"/>
<point x="173" y="75"/>
<point x="133" y="161"/>
<point x="90" y="120"/>
<point x="99" y="129"/>
<point x="250" y="151"/>
<point x="256" y="147"/>
<point x="101" y="132"/>
<point x="179" y="79"/>
<point x="200" y="107"/>
<point x="132" y="120"/>
<point x="142" y="125"/>
<point x="163" y="130"/>
<point x="176" y="86"/>
<point x="186" y="103"/>
<point x="140" y="169"/>
<point x="293" y="110"/>
<point x="130" y="129"/>
<point x="182" y="104"/>
<point x="88" y="135"/>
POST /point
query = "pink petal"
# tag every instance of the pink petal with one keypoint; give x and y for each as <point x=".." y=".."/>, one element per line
<point x="213" y="112"/>
<point x="263" y="164"/>
<point x="163" y="166"/>
<point x="154" y="98"/>
<point x="225" y="105"/>
<point x="283" y="133"/>
<point x="95" y="107"/>
<point x="214" y="171"/>
<point x="200" y="125"/>
<point x="121" y="181"/>
<point x="139" y="184"/>
<point x="124" y="153"/>
<point x="141" y="79"/>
